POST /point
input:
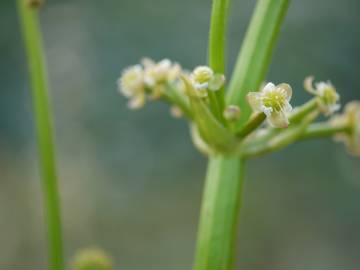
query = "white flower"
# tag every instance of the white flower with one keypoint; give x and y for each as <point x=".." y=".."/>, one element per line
<point x="274" y="102"/>
<point x="350" y="118"/>
<point x="158" y="74"/>
<point x="131" y="85"/>
<point x="328" y="98"/>
<point x="204" y="78"/>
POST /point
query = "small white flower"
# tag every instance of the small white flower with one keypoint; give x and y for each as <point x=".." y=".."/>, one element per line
<point x="350" y="118"/>
<point x="274" y="102"/>
<point x="157" y="74"/>
<point x="160" y="72"/>
<point x="131" y="81"/>
<point x="203" y="79"/>
<point x="131" y="85"/>
<point x="328" y="98"/>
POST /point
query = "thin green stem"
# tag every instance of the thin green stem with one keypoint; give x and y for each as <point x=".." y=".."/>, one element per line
<point x="297" y="116"/>
<point x="219" y="213"/>
<point x="251" y="125"/>
<point x="173" y="96"/>
<point x="254" y="57"/>
<point x="322" y="130"/>
<point x="216" y="51"/>
<point x="42" y="114"/>
<point x="281" y="140"/>
<point x="300" y="112"/>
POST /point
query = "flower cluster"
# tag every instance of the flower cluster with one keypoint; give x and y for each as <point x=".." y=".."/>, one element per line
<point x="148" y="79"/>
<point x="273" y="101"/>
<point x="350" y="119"/>
<point x="327" y="97"/>
<point x="219" y="127"/>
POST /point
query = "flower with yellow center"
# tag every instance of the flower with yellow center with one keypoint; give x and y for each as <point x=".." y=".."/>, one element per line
<point x="204" y="78"/>
<point x="328" y="98"/>
<point x="350" y="118"/>
<point x="273" y="101"/>
<point x="131" y="85"/>
<point x="156" y="75"/>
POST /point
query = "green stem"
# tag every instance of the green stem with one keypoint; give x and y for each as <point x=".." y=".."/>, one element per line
<point x="300" y="112"/>
<point x="219" y="213"/>
<point x="42" y="114"/>
<point x="216" y="51"/>
<point x="297" y="116"/>
<point x="251" y="125"/>
<point x="254" y="57"/>
<point x="281" y="140"/>
<point x="173" y="96"/>
<point x="321" y="130"/>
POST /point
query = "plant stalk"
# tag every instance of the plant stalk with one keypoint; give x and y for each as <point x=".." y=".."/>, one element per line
<point x="225" y="175"/>
<point x="43" y="121"/>
<point x="219" y="213"/>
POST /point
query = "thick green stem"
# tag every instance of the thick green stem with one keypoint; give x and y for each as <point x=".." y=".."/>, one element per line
<point x="42" y="114"/>
<point x="254" y="57"/>
<point x="219" y="213"/>
<point x="216" y="51"/>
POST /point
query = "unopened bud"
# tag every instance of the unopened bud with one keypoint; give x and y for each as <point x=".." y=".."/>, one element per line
<point x="176" y="112"/>
<point x="232" y="113"/>
<point x="91" y="259"/>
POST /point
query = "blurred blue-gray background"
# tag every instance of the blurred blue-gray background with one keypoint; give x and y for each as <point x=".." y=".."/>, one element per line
<point x="131" y="182"/>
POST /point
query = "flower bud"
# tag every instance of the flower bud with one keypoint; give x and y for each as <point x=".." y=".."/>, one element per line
<point x="91" y="259"/>
<point x="232" y="113"/>
<point x="202" y="74"/>
<point x="351" y="119"/>
<point x="327" y="97"/>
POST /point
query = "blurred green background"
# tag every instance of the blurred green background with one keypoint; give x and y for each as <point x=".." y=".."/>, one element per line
<point x="131" y="182"/>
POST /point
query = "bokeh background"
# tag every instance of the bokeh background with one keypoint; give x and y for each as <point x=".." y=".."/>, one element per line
<point x="131" y="182"/>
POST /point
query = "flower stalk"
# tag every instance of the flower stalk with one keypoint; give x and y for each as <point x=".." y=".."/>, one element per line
<point x="219" y="213"/>
<point x="43" y="120"/>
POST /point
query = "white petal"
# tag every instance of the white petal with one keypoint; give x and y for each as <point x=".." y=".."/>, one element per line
<point x="287" y="88"/>
<point x="278" y="119"/>
<point x="216" y="82"/>
<point x="136" y="102"/>
<point x="201" y="86"/>
<point x="287" y="108"/>
<point x="269" y="87"/>
<point x="147" y="62"/>
<point x="267" y="110"/>
<point x="254" y="100"/>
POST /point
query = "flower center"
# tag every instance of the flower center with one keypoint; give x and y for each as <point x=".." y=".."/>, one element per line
<point x="275" y="100"/>
<point x="329" y="96"/>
